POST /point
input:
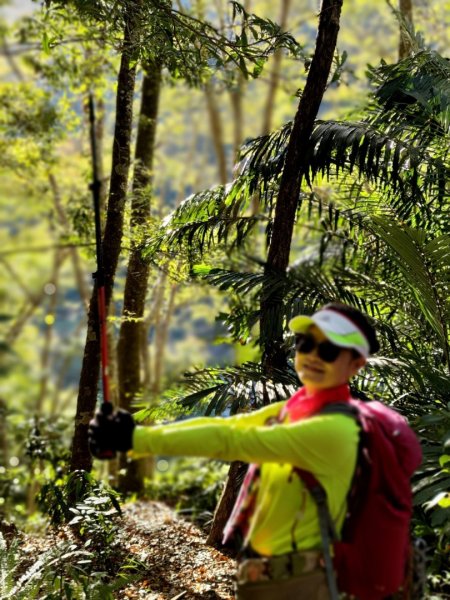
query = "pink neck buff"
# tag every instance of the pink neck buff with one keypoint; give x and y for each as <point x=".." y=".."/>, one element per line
<point x="303" y="404"/>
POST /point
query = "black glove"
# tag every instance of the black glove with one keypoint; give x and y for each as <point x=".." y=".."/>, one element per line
<point x="110" y="432"/>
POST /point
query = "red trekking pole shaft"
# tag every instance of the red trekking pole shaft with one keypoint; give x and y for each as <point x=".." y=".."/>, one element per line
<point x="99" y="276"/>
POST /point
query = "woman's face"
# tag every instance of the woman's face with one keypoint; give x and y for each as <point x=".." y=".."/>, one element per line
<point x="316" y="374"/>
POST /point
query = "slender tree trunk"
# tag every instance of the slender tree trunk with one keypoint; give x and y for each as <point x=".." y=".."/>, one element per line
<point x="25" y="314"/>
<point x="274" y="78"/>
<point x="48" y="333"/>
<point x="81" y="458"/>
<point x="99" y="138"/>
<point x="133" y="325"/>
<point x="14" y="276"/>
<point x="271" y="326"/>
<point x="217" y="133"/>
<point x="34" y="301"/>
<point x="278" y="258"/>
<point x="226" y="502"/>
<point x="161" y="339"/>
<point x="55" y="404"/>
<point x="3" y="434"/>
<point x="64" y="221"/>
<point x="238" y="115"/>
<point x="406" y="10"/>
<point x="236" y="95"/>
<point x="156" y="320"/>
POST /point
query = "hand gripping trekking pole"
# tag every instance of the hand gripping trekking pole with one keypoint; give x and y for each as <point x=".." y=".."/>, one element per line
<point x="99" y="275"/>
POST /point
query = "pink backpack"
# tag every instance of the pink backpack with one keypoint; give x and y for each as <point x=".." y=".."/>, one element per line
<point x="371" y="557"/>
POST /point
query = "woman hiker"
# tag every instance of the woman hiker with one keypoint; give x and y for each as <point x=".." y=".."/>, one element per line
<point x="281" y="556"/>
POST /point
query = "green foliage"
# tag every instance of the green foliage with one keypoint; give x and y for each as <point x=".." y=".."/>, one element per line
<point x="431" y="487"/>
<point x="58" y="497"/>
<point x="66" y="571"/>
<point x="94" y="562"/>
<point x="395" y="156"/>
<point x="203" y="220"/>
<point x="189" y="47"/>
<point x="217" y="390"/>
<point x="191" y="486"/>
<point x="95" y="521"/>
<point x="29" y="122"/>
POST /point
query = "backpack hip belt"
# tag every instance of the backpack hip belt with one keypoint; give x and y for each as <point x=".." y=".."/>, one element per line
<point x="274" y="568"/>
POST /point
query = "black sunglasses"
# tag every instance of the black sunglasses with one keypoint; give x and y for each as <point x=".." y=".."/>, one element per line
<point x="327" y="351"/>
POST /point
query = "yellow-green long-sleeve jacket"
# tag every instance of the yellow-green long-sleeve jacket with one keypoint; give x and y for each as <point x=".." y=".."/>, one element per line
<point x="325" y="444"/>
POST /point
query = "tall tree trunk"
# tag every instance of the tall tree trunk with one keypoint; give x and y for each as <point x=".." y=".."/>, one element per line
<point x="216" y="132"/>
<point x="162" y="332"/>
<point x="274" y="78"/>
<point x="30" y="306"/>
<point x="406" y="10"/>
<point x="236" y="95"/>
<point x="81" y="458"/>
<point x="64" y="221"/>
<point x="156" y="318"/>
<point x="48" y="333"/>
<point x="132" y="326"/>
<point x="278" y="255"/>
<point x="226" y="502"/>
<point x="271" y="326"/>
<point x="3" y="434"/>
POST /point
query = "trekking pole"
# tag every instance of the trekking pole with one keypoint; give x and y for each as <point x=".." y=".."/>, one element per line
<point x="99" y="275"/>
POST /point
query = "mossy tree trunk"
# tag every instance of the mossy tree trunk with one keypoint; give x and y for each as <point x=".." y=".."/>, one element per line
<point x="112" y="239"/>
<point x="271" y="325"/>
<point x="406" y="10"/>
<point x="133" y="326"/>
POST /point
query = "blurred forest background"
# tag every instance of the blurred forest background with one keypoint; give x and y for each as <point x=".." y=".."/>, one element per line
<point x="199" y="98"/>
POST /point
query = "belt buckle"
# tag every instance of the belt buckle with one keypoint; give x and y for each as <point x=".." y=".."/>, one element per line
<point x="253" y="570"/>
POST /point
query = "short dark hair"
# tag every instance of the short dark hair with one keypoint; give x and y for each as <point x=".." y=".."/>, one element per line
<point x="360" y="320"/>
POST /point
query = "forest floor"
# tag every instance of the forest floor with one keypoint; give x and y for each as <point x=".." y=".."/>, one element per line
<point x="180" y="564"/>
<point x="176" y="563"/>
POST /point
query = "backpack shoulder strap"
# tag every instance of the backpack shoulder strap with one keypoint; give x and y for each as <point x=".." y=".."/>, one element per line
<point x="327" y="530"/>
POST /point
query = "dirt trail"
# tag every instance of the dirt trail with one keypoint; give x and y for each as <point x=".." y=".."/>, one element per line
<point x="180" y="565"/>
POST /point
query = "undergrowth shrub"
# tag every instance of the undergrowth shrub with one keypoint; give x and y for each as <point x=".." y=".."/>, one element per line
<point x="190" y="485"/>
<point x="66" y="571"/>
<point x="92" y="562"/>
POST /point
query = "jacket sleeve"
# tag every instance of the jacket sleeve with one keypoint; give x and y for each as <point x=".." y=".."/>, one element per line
<point x="308" y="444"/>
<point x="256" y="417"/>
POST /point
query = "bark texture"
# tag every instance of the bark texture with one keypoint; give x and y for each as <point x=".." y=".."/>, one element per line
<point x="133" y="326"/>
<point x="217" y="133"/>
<point x="406" y="10"/>
<point x="274" y="79"/>
<point x="226" y="502"/>
<point x="298" y="148"/>
<point x="87" y="394"/>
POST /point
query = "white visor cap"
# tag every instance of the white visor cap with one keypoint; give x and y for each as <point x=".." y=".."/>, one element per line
<point x="338" y="328"/>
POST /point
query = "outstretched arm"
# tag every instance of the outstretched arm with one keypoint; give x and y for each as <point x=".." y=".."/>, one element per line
<point x="308" y="444"/>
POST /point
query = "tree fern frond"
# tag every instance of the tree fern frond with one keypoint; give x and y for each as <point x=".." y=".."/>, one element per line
<point x="390" y="152"/>
<point x="392" y="163"/>
<point x="241" y="282"/>
<point x="414" y="95"/>
<point x="206" y="219"/>
<point x="231" y="389"/>
<point x="409" y="252"/>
